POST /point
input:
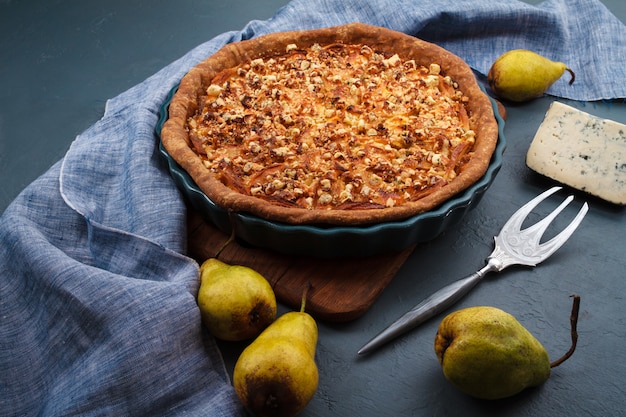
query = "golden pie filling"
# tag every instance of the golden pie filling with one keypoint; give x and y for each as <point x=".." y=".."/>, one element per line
<point x="333" y="127"/>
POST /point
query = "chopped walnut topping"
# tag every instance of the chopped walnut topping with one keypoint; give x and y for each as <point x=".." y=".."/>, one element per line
<point x="330" y="125"/>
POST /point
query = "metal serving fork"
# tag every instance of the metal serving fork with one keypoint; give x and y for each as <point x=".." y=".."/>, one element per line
<point x="513" y="246"/>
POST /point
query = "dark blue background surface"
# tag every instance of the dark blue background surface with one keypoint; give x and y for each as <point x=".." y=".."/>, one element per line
<point x="61" y="61"/>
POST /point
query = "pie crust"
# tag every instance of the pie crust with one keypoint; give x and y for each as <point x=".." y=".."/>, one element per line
<point x="226" y="187"/>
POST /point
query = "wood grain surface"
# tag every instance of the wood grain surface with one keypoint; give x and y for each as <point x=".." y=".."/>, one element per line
<point x="341" y="289"/>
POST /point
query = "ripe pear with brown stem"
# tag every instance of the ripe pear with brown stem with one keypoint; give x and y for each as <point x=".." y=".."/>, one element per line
<point x="276" y="375"/>
<point x="486" y="353"/>
<point x="520" y="75"/>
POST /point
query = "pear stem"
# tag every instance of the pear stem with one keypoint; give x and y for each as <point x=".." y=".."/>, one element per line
<point x="571" y="80"/>
<point x="573" y="322"/>
<point x="231" y="238"/>
<point x="304" y="296"/>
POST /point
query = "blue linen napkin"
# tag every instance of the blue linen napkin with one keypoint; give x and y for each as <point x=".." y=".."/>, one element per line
<point x="97" y="297"/>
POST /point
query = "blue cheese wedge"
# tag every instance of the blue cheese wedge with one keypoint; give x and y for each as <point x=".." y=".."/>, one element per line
<point x="582" y="151"/>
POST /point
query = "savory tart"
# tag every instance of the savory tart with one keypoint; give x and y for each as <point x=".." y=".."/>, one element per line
<point x="346" y="125"/>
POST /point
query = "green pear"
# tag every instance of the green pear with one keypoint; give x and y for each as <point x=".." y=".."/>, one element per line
<point x="521" y="75"/>
<point x="486" y="353"/>
<point x="276" y="375"/>
<point x="236" y="302"/>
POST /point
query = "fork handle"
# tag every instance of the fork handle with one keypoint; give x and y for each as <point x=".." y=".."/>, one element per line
<point x="431" y="306"/>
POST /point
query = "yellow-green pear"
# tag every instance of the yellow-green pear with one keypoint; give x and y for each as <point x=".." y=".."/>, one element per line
<point x="486" y="353"/>
<point x="276" y="375"/>
<point x="521" y="75"/>
<point x="236" y="302"/>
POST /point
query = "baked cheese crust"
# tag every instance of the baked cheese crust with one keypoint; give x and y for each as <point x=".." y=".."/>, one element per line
<point x="332" y="129"/>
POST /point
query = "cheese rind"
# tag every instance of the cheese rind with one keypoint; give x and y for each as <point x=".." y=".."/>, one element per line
<point x="582" y="151"/>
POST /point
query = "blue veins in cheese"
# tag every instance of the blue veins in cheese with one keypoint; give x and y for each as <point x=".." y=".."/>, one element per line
<point x="582" y="151"/>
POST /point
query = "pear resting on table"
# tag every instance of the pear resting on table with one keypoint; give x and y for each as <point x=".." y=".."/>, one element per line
<point x="521" y="75"/>
<point x="276" y="375"/>
<point x="236" y="302"/>
<point x="488" y="354"/>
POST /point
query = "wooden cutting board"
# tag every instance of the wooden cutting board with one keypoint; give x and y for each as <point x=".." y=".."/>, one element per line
<point x="341" y="289"/>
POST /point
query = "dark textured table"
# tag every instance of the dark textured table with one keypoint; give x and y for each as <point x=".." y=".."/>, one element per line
<point x="47" y="48"/>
